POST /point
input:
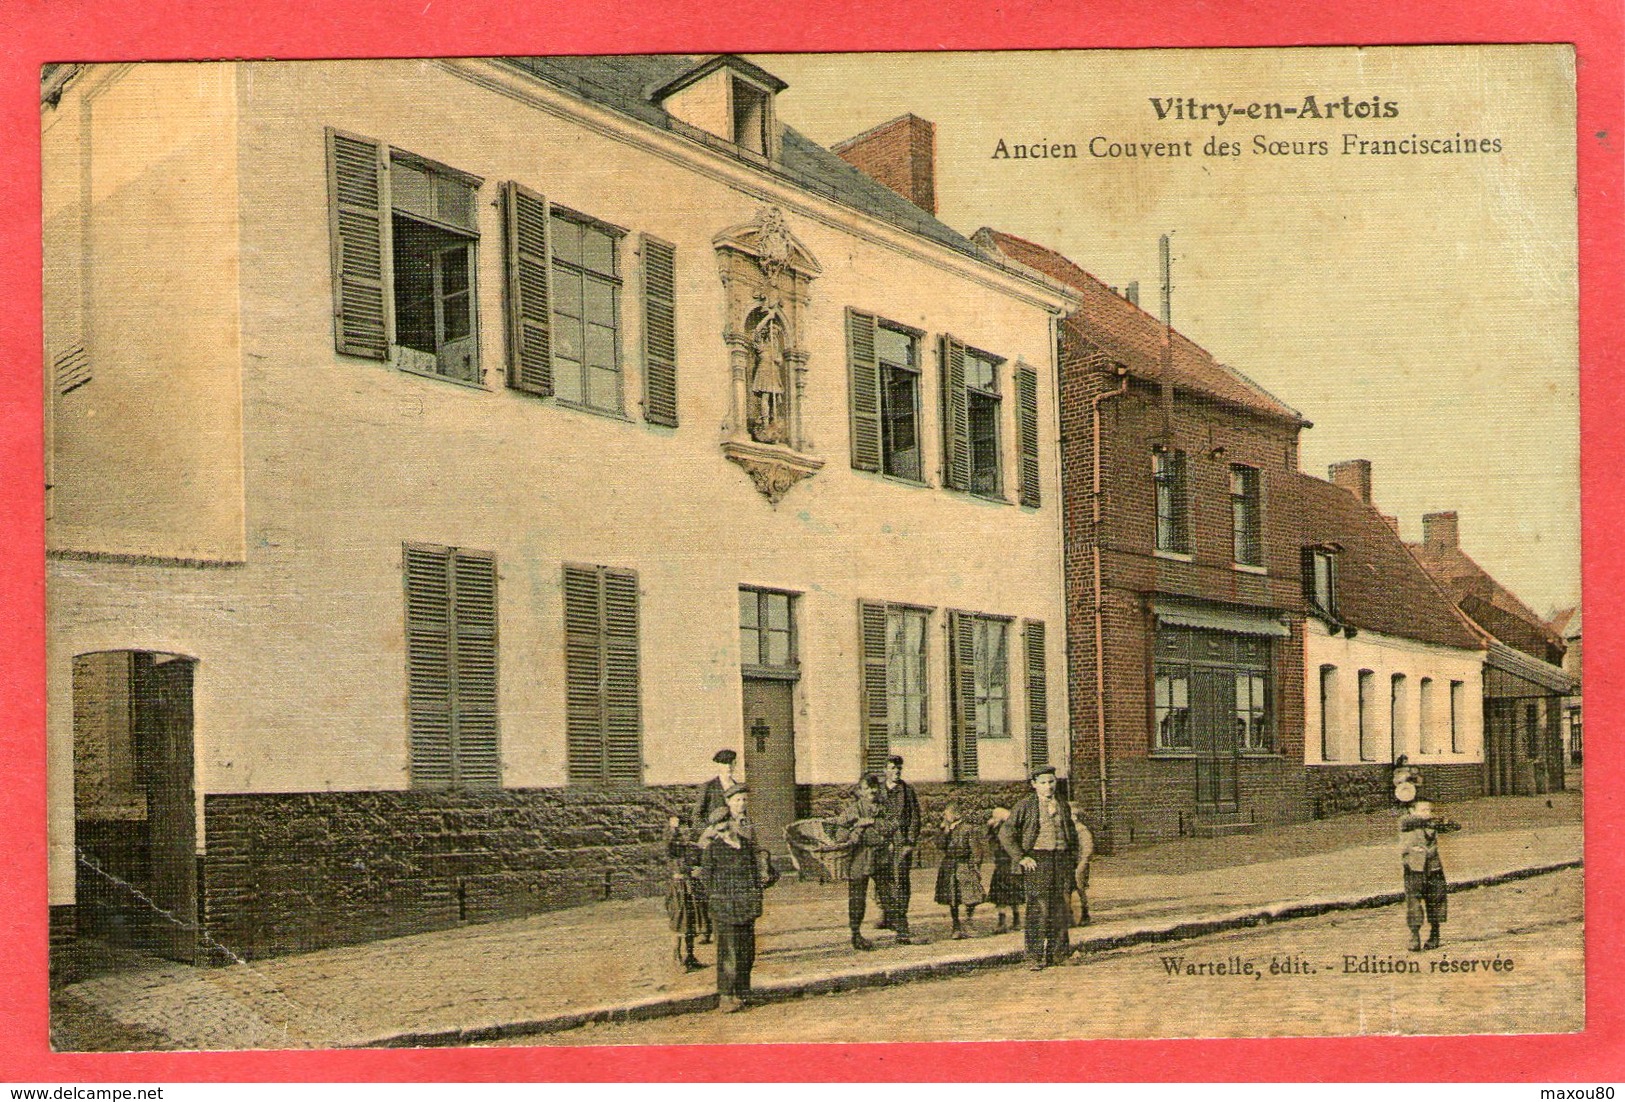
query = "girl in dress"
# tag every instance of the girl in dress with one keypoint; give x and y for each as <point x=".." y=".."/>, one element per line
<point x="1006" y="891"/>
<point x="958" y="882"/>
<point x="684" y="895"/>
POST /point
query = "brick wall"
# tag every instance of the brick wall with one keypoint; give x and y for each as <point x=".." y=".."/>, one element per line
<point x="1154" y="799"/>
<point x="900" y="154"/>
<point x="1340" y="789"/>
<point x="292" y="872"/>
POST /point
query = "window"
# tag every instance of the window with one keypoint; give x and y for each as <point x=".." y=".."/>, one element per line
<point x="752" y="117"/>
<point x="1173" y="703"/>
<point x="894" y="678"/>
<point x="884" y="377"/>
<point x="451" y="666"/>
<point x="1252" y="712"/>
<point x="1368" y="734"/>
<point x="1328" y="713"/>
<point x="1246" y="520"/>
<point x="970" y="420"/>
<point x="1424" y="716"/>
<point x="1320" y="580"/>
<point x="1457" y="691"/>
<point x="1397" y="741"/>
<point x="767" y="637"/>
<point x="586" y="311"/>
<point x="603" y="698"/>
<point x="982" y="383"/>
<point x="1168" y="475"/>
<point x="421" y="313"/>
<point x="659" y="332"/>
<point x="980" y="677"/>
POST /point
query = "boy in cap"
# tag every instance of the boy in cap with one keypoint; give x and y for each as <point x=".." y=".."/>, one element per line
<point x="1043" y="843"/>
<point x="708" y="802"/>
<point x="736" y="873"/>
<point x="1426" y="890"/>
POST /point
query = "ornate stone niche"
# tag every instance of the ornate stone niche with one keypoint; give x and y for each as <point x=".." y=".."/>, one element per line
<point x="765" y="275"/>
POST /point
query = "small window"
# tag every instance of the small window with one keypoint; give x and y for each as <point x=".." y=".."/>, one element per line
<point x="979" y="677"/>
<point x="1173" y="703"/>
<point x="1398" y="736"/>
<point x="982" y="397"/>
<point x="434" y="239"/>
<point x="1245" y="516"/>
<point x="1168" y="475"/>
<point x="899" y="402"/>
<point x="992" y="679"/>
<point x="752" y="111"/>
<point x="767" y="638"/>
<point x="1252" y="711"/>
<point x="1328" y="713"/>
<point x="1368" y="734"/>
<point x="586" y="293"/>
<point x="1458" y="690"/>
<point x="1320" y="580"/>
<point x="905" y="673"/>
<point x="1424" y="716"/>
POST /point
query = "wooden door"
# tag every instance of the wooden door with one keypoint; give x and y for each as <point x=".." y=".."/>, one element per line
<point x="1213" y="716"/>
<point x="162" y="699"/>
<point x="770" y="757"/>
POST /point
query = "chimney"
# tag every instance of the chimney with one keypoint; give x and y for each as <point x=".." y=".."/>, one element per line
<point x="1353" y="475"/>
<point x="902" y="154"/>
<point x="1132" y="291"/>
<point x="1392" y="522"/>
<point x="1439" y="531"/>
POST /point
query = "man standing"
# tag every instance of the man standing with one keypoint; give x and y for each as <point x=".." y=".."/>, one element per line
<point x="903" y="808"/>
<point x="711" y="792"/>
<point x="736" y="873"/>
<point x="866" y="828"/>
<point x="1040" y="838"/>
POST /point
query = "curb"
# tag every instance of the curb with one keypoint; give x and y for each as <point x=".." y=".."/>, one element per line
<point x="856" y="980"/>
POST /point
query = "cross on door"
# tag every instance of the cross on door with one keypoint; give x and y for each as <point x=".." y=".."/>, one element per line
<point x="761" y="730"/>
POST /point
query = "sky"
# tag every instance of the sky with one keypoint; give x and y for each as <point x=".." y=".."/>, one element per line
<point x="1419" y="308"/>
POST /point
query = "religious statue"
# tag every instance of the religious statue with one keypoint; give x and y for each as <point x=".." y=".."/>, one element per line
<point x="768" y="420"/>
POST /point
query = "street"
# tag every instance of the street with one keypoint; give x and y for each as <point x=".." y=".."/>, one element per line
<point x="1512" y="961"/>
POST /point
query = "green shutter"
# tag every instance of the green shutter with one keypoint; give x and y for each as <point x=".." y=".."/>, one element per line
<point x="659" y="332"/>
<point x="623" y="713"/>
<point x="428" y="666"/>
<point x="476" y="762"/>
<point x="863" y="368"/>
<point x="583" y="676"/>
<point x="358" y="219"/>
<point x="875" y="699"/>
<point x="530" y="350"/>
<point x="1037" y="697"/>
<point x="962" y="677"/>
<point x="955" y="417"/>
<point x="1027" y="430"/>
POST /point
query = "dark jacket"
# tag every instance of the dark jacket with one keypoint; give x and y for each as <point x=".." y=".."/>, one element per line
<point x="903" y="807"/>
<point x="708" y="800"/>
<point x="871" y="844"/>
<point x="1020" y="830"/>
<point x="734" y="878"/>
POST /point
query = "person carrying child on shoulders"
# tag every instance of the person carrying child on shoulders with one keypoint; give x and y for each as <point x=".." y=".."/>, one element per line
<point x="1426" y="889"/>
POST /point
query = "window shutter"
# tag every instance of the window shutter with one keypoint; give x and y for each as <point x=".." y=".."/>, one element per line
<point x="474" y="614"/>
<point x="659" y="332"/>
<point x="1306" y="564"/>
<point x="623" y="713"/>
<point x="955" y="417"/>
<point x="530" y="349"/>
<point x="358" y="219"/>
<point x="863" y="373"/>
<point x="1037" y="697"/>
<point x="583" y="676"/>
<point x="428" y="666"/>
<point x="962" y="648"/>
<point x="1027" y="430"/>
<point x="875" y="698"/>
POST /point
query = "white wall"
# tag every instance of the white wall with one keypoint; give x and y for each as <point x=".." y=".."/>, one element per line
<point x="1423" y="733"/>
<point x="300" y="683"/>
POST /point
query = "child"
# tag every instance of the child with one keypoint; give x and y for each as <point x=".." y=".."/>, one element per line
<point x="1005" y="891"/>
<point x="958" y="882"/>
<point x="1080" y="875"/>
<point x="1426" y="890"/>
<point x="683" y="893"/>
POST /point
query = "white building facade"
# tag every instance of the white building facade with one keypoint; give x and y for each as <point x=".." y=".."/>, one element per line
<point x="448" y="457"/>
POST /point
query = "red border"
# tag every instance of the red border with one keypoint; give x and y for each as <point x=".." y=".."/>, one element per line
<point x="80" y="30"/>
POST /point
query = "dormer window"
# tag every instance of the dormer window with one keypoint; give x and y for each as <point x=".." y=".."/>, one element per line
<point x="1320" y="579"/>
<point x="752" y="111"/>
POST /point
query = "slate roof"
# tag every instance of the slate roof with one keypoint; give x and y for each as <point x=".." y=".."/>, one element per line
<point x="625" y="83"/>
<point x="1133" y="338"/>
<point x="1491" y="605"/>
<point x="1380" y="585"/>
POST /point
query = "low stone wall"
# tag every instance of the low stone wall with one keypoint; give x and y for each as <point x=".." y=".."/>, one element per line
<point x="976" y="800"/>
<point x="299" y="871"/>
<point x="1341" y="789"/>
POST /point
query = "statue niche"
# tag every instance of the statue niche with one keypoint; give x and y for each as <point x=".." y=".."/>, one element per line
<point x="765" y="275"/>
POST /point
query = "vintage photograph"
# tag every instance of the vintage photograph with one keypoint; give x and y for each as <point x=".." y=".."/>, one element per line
<point x="700" y="549"/>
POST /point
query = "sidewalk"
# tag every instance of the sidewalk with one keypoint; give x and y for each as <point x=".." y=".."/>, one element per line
<point x="613" y="960"/>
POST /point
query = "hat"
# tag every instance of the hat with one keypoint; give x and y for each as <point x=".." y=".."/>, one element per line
<point x="724" y="757"/>
<point x="1042" y="770"/>
<point x="737" y="786"/>
<point x="999" y="815"/>
<point x="895" y="759"/>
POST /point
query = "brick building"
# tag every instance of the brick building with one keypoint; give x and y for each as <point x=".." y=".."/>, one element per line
<point x="1183" y="575"/>
<point x="446" y="457"/>
<point x="1525" y="684"/>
